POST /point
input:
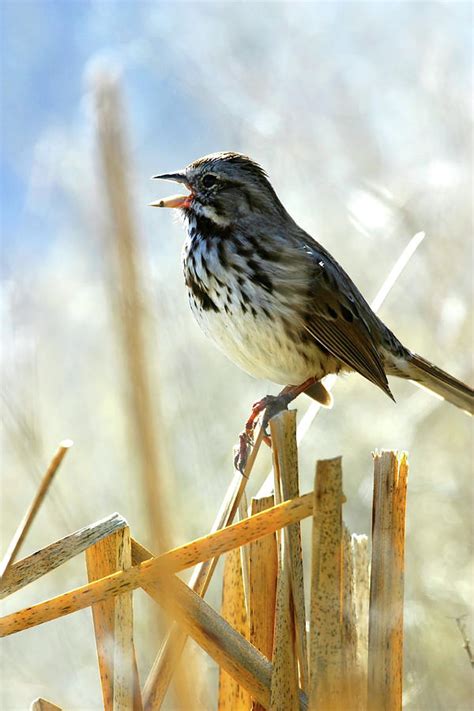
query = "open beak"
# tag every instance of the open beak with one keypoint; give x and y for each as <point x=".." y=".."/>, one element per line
<point x="174" y="200"/>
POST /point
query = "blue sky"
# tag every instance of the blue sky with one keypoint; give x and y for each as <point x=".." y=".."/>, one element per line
<point x="193" y="74"/>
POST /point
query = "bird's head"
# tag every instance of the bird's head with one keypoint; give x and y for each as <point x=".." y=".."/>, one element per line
<point x="224" y="187"/>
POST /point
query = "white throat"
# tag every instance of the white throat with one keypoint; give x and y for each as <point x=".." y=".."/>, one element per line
<point x="209" y="212"/>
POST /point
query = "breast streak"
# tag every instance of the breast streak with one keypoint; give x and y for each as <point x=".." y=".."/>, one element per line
<point x="245" y="321"/>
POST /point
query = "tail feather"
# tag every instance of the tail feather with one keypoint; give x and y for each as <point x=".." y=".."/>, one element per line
<point x="427" y="375"/>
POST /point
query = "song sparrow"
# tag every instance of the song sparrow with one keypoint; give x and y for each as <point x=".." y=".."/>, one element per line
<point x="274" y="300"/>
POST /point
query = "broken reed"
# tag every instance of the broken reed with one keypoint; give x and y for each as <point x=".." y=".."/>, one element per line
<point x="352" y="657"/>
<point x="346" y="670"/>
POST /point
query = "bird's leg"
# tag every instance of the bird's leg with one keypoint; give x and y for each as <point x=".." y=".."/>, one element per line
<point x="271" y="405"/>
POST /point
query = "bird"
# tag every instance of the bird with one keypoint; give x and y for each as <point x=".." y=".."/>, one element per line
<point x="275" y="301"/>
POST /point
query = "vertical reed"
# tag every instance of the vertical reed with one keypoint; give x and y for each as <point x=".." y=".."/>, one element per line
<point x="387" y="582"/>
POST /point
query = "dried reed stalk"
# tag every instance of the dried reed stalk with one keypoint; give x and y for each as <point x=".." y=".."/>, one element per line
<point x="361" y="596"/>
<point x="386" y="582"/>
<point x="113" y="625"/>
<point x="284" y="690"/>
<point x="352" y="679"/>
<point x="40" y="704"/>
<point x="165" y="662"/>
<point x="29" y="569"/>
<point x="128" y="297"/>
<point x="461" y="625"/>
<point x="210" y="546"/>
<point x="244" y="553"/>
<point x="232" y="696"/>
<point x="283" y="432"/>
<point x="326" y="639"/>
<point x="29" y="517"/>
<point x="130" y="308"/>
<point x="263" y="575"/>
<point x="225" y="645"/>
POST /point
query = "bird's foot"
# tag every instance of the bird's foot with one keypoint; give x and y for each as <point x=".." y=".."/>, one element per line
<point x="270" y="405"/>
<point x="242" y="451"/>
<point x="274" y="405"/>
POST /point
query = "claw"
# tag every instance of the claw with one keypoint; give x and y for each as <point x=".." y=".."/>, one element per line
<point x="242" y="451"/>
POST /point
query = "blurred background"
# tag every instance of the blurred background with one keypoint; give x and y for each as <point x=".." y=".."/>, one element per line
<point x="361" y="114"/>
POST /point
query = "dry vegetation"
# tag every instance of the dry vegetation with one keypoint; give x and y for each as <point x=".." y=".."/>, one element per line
<point x="260" y="642"/>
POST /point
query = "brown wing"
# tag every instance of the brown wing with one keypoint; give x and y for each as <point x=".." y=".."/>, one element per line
<point x="339" y="318"/>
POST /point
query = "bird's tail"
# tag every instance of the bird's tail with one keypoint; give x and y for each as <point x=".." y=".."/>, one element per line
<point x="424" y="373"/>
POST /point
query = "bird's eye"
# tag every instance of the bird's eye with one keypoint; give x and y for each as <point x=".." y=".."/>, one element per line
<point x="209" y="180"/>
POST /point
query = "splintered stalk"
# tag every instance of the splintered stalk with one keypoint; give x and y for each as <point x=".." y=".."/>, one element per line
<point x="210" y="546"/>
<point x="387" y="582"/>
<point x="29" y="517"/>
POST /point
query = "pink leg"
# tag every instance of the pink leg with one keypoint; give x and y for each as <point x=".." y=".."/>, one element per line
<point x="271" y="405"/>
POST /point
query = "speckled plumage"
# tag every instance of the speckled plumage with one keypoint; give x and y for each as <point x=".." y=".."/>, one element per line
<point x="272" y="298"/>
<point x="249" y="314"/>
